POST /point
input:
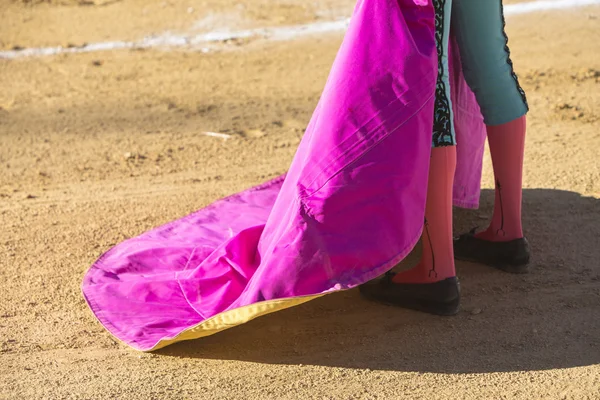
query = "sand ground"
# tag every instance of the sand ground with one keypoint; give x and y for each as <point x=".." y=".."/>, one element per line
<point x="98" y="147"/>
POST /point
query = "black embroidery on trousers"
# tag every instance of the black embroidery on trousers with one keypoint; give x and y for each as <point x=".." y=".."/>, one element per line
<point x="442" y="121"/>
<point x="509" y="61"/>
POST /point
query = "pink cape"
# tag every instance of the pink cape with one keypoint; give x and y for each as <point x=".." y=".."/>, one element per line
<point x="350" y="208"/>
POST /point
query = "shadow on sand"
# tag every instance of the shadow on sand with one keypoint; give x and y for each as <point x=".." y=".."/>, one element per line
<point x="543" y="320"/>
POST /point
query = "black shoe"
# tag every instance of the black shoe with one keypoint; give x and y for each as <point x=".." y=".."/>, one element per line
<point x="511" y="256"/>
<point x="440" y="298"/>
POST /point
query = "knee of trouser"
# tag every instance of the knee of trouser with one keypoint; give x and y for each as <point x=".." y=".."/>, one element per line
<point x="499" y="95"/>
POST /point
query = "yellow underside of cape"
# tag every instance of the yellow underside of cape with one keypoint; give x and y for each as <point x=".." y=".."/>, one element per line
<point x="231" y="318"/>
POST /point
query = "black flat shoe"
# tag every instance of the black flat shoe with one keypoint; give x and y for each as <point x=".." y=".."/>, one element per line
<point x="439" y="298"/>
<point x="512" y="256"/>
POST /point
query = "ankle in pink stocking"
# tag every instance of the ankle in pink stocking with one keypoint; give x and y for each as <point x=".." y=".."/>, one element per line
<point x="507" y="145"/>
<point x="437" y="260"/>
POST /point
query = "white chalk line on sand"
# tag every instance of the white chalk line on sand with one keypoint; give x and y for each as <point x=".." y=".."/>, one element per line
<point x="170" y="40"/>
<point x="217" y="135"/>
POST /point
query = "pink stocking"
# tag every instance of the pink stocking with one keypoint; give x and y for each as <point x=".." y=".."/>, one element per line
<point x="507" y="144"/>
<point x="437" y="260"/>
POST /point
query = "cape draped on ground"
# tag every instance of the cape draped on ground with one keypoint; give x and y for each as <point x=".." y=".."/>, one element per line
<point x="350" y="208"/>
